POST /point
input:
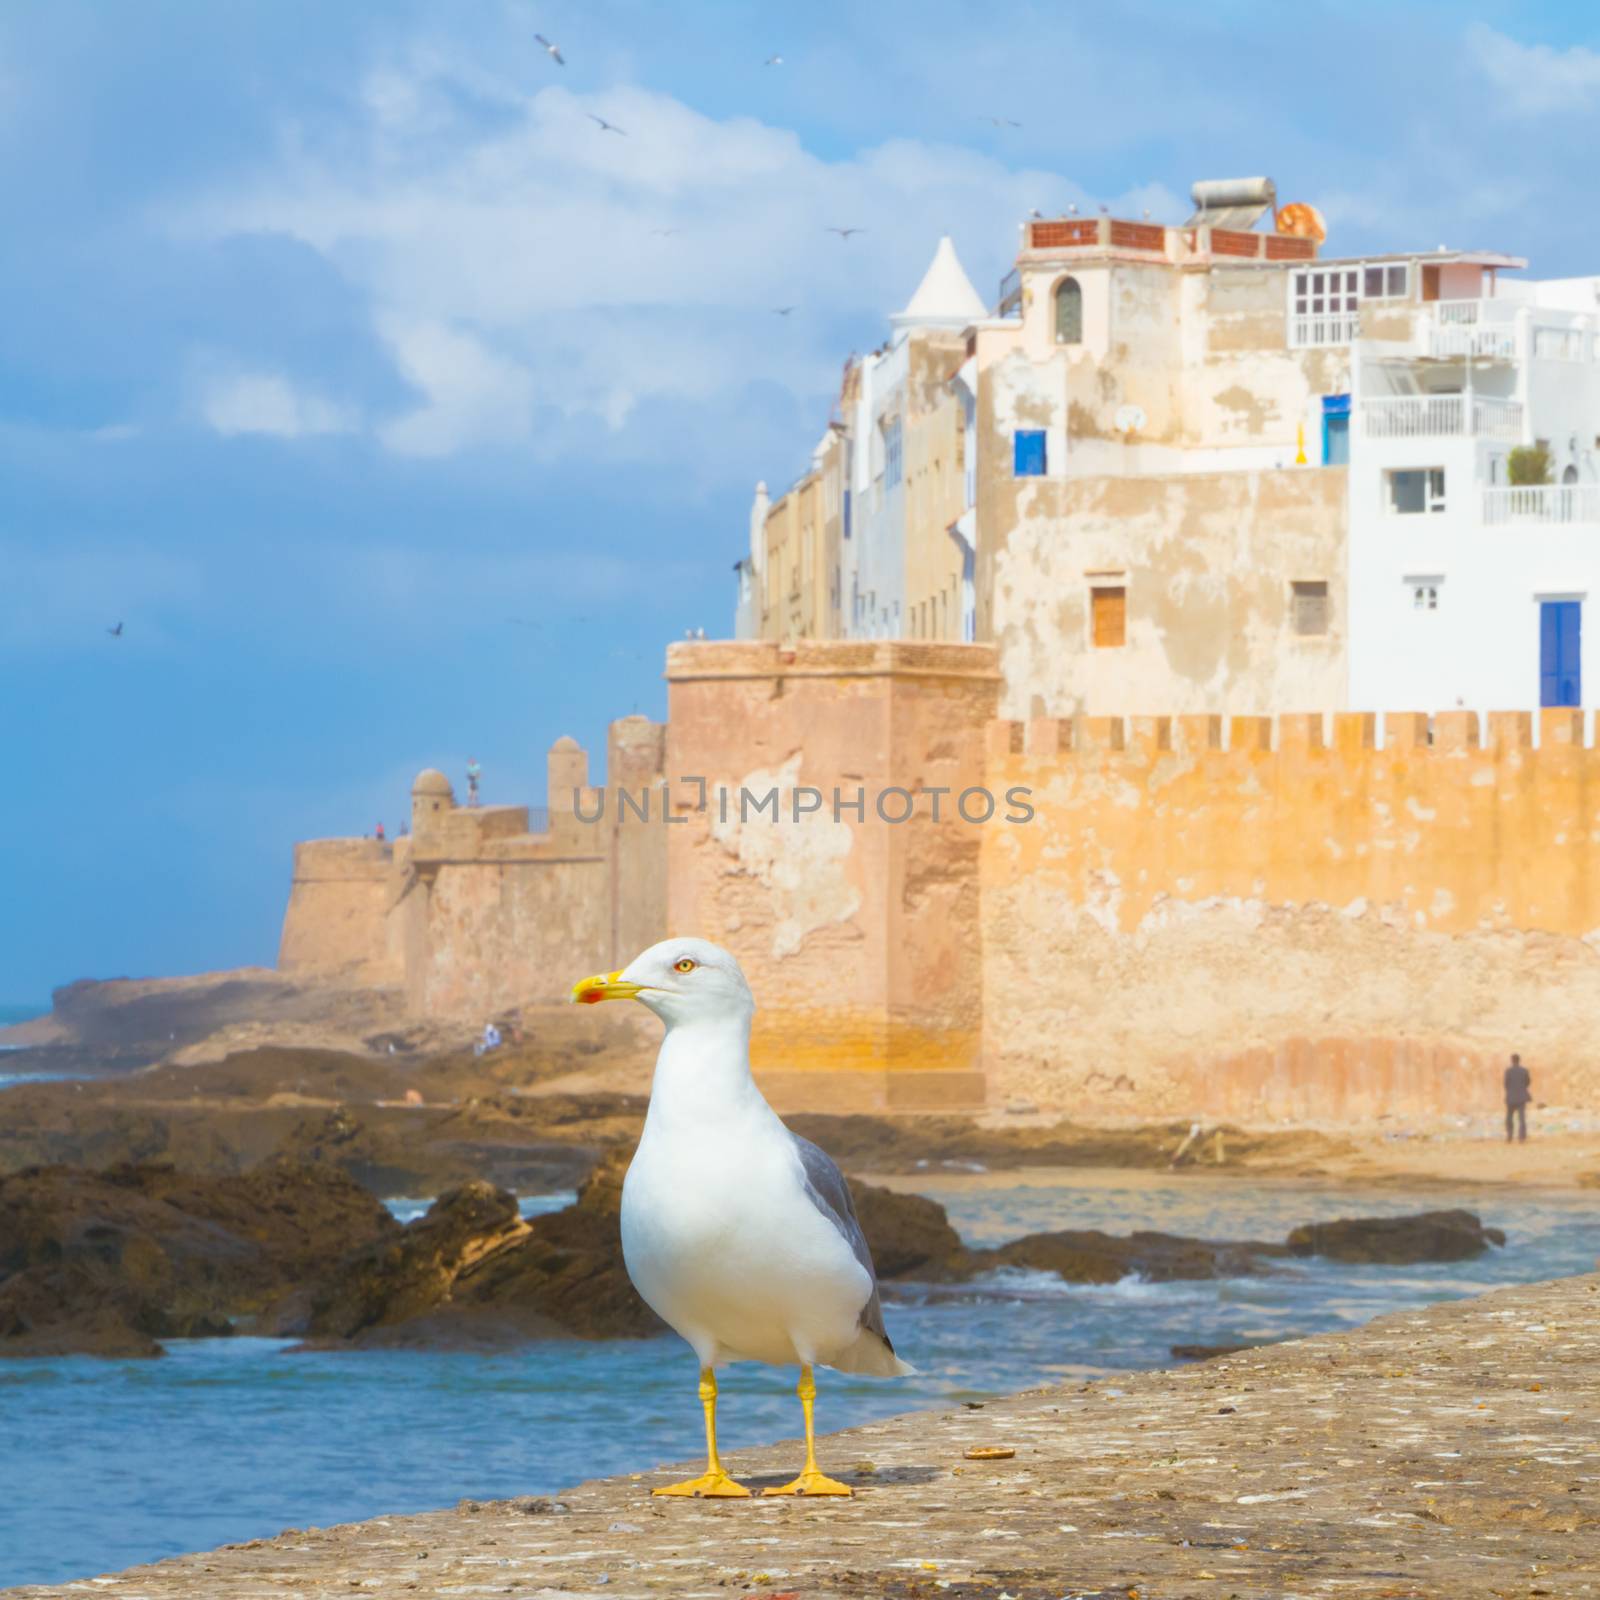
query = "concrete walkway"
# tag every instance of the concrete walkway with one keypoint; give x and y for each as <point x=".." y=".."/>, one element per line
<point x="1450" y="1452"/>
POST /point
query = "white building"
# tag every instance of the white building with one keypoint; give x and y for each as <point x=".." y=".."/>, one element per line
<point x="1466" y="590"/>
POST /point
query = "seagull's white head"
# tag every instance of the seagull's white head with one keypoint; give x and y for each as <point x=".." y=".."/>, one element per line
<point x="681" y="980"/>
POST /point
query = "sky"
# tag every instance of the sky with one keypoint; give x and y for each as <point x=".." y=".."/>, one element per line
<point x="402" y="414"/>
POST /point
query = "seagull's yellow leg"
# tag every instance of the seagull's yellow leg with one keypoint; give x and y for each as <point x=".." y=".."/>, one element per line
<point x="713" y="1482"/>
<point x="810" y="1481"/>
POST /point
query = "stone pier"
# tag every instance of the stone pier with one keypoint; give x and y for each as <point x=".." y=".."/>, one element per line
<point x="1449" y="1452"/>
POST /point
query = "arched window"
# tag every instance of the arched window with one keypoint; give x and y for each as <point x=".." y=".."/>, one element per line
<point x="1069" y="312"/>
<point x="1570" y="475"/>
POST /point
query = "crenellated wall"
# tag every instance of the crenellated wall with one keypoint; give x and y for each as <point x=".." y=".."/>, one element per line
<point x="475" y="914"/>
<point x="1299" y="919"/>
<point x="1316" y="918"/>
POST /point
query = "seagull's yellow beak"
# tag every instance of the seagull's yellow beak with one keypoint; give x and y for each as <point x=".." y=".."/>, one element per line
<point x="604" y="986"/>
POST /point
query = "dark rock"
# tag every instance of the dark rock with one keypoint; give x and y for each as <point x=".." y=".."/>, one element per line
<point x="1397" y="1241"/>
<point x="1089" y="1256"/>
<point x="908" y="1233"/>
<point x="1210" y="1352"/>
<point x="110" y="1263"/>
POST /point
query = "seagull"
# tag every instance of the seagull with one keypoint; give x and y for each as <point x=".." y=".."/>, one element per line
<point x="844" y="233"/>
<point x="664" y="233"/>
<point x="1003" y="122"/>
<point x="738" y="1233"/>
<point x="782" y="311"/>
<point x="1072" y="211"/>
<point x="116" y="632"/>
<point x="553" y="51"/>
<point x="1035" y="212"/>
<point x="773" y="61"/>
<point x="606" y="127"/>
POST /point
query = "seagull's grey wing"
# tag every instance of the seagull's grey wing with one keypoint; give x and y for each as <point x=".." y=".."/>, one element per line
<point x="828" y="1191"/>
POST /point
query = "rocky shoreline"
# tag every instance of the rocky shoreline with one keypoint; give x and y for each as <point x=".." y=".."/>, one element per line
<point x="110" y="1263"/>
<point x="1445" y="1452"/>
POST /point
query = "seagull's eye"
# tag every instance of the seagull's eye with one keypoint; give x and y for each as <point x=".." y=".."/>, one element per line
<point x="685" y="965"/>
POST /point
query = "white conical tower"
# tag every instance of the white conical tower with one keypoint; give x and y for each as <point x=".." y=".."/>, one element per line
<point x="945" y="298"/>
<point x="758" y="528"/>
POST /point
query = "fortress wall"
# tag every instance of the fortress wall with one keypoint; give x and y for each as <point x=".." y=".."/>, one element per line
<point x="859" y="936"/>
<point x="1254" y="921"/>
<point x="334" y="926"/>
<point x="500" y="934"/>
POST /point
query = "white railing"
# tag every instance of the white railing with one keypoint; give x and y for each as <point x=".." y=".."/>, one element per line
<point x="1425" y="416"/>
<point x="1332" y="328"/>
<point x="1564" y="502"/>
<point x="1413" y="416"/>
<point x="1499" y="419"/>
<point x="1456" y="310"/>
<point x="1496" y="344"/>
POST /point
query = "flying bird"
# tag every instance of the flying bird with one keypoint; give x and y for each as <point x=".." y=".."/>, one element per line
<point x="739" y="1234"/>
<point x="1003" y="122"/>
<point x="1034" y="211"/>
<point x="773" y="61"/>
<point x="665" y="233"/>
<point x="553" y="51"/>
<point x="606" y="127"/>
<point x="844" y="233"/>
<point x="782" y="311"/>
<point x="1072" y="211"/>
<point x="116" y="632"/>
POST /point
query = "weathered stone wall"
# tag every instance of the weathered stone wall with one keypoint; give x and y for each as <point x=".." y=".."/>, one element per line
<point x="336" y="922"/>
<point x="1207" y="561"/>
<point x="474" y="913"/>
<point x="1285" y="927"/>
<point x="860" y="936"/>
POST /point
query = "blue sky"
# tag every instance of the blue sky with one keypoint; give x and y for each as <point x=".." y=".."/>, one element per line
<point x="338" y="336"/>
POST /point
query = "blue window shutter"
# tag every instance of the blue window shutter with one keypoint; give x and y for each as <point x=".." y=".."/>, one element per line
<point x="1028" y="460"/>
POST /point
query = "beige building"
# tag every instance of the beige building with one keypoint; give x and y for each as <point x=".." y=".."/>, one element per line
<point x="1105" y="477"/>
<point x="864" y="544"/>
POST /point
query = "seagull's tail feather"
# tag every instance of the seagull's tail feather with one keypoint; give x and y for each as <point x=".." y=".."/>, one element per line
<point x="873" y="1356"/>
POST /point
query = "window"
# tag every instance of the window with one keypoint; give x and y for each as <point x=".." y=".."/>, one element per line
<point x="1069" y="312"/>
<point x="1325" y="292"/>
<point x="1028" y="453"/>
<point x="1385" y="283"/>
<point x="891" y="454"/>
<point x="1425" y="592"/>
<point x="1415" y="490"/>
<point x="1108" y="616"/>
<point x="1308" y="607"/>
<point x="847" y="513"/>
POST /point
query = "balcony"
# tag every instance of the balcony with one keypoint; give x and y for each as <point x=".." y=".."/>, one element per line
<point x="1432" y="416"/>
<point x="1456" y="340"/>
<point x="1565" y="502"/>
<point x="1319" y="332"/>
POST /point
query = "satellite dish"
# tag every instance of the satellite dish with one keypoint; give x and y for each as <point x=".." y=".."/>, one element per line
<point x="1129" y="418"/>
<point x="1301" y="221"/>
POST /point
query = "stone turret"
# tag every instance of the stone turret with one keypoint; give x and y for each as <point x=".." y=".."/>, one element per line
<point x="567" y="772"/>
<point x="432" y="799"/>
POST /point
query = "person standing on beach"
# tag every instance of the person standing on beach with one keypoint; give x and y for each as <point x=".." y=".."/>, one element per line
<point x="1518" y="1094"/>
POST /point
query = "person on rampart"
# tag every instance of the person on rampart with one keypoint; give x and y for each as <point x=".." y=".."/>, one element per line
<point x="474" y="772"/>
<point x="1518" y="1095"/>
<point x="379" y="834"/>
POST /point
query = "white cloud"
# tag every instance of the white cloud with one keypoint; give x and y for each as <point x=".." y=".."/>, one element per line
<point x="267" y="402"/>
<point x="527" y="269"/>
<point x="1533" y="80"/>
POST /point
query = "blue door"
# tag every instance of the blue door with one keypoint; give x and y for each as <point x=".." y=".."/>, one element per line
<point x="1336" y="430"/>
<point x="1560" y="657"/>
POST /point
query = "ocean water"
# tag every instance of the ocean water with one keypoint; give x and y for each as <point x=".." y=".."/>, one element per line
<point x="108" y="1463"/>
<point x="9" y="1015"/>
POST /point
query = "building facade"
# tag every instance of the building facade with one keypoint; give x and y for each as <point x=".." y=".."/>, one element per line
<point x="1210" y="469"/>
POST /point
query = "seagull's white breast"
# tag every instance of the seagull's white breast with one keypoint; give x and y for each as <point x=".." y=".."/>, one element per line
<point x="724" y="1244"/>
